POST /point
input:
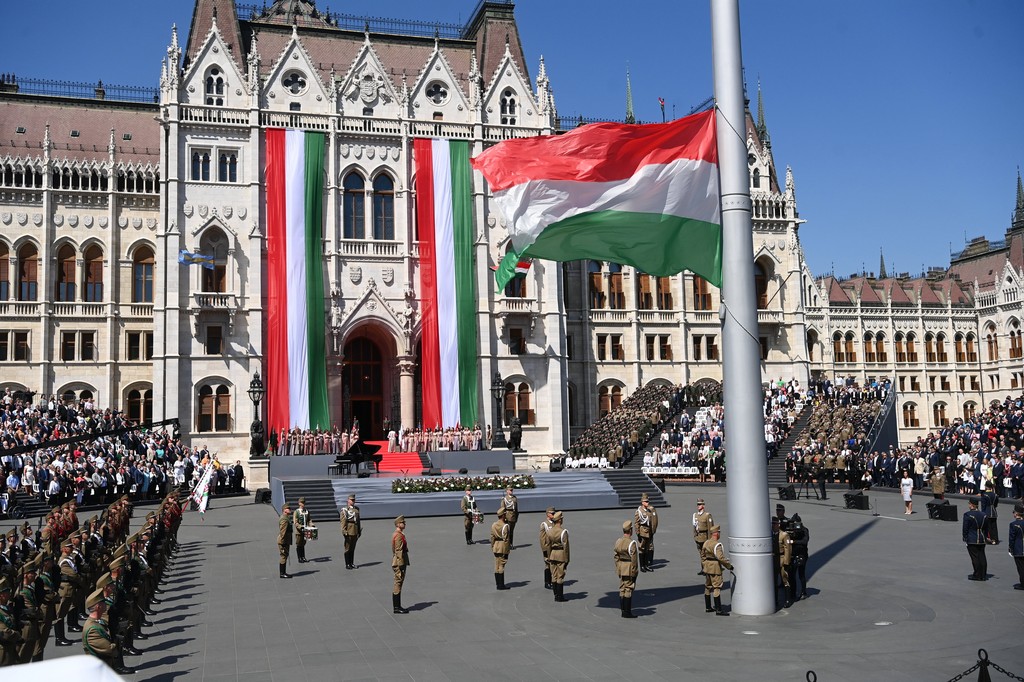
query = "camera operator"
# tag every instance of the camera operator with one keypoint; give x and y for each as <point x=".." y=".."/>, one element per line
<point x="800" y="537"/>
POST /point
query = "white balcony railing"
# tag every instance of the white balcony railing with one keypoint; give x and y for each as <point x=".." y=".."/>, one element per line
<point x="769" y="317"/>
<point x="215" y="301"/>
<point x="20" y="308"/>
<point x="517" y="306"/>
<point x="191" y="113"/>
<point x="361" y="248"/>
<point x="78" y="309"/>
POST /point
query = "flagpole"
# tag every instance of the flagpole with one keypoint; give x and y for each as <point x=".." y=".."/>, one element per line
<point x="749" y="529"/>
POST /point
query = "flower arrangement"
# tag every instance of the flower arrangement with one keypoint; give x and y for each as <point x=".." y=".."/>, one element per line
<point x="448" y="484"/>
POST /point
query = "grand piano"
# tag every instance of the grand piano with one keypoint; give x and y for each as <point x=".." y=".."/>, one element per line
<point x="356" y="455"/>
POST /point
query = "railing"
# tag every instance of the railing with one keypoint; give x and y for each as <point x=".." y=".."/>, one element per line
<point x="141" y="310"/>
<point x="656" y="316"/>
<point x="876" y="427"/>
<point x="769" y="317"/>
<point x="215" y="301"/>
<point x="498" y="133"/>
<point x="369" y="249"/>
<point x="294" y="119"/>
<point x="121" y="93"/>
<point x="704" y="316"/>
<point x="460" y="131"/>
<point x="516" y="306"/>
<point x="20" y="308"/>
<point x="375" y="126"/>
<point x="609" y="316"/>
<point x="78" y="309"/>
<point x="192" y="113"/>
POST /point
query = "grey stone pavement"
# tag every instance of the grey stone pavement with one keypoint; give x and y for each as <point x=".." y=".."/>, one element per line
<point x="889" y="600"/>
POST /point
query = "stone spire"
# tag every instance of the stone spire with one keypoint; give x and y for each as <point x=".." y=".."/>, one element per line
<point x="543" y="99"/>
<point x="762" y="127"/>
<point x="1018" y="214"/>
<point x="630" y="118"/>
<point x="881" y="265"/>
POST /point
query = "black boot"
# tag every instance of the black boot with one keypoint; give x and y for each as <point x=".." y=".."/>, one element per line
<point x="301" y="552"/>
<point x="627" y="611"/>
<point x="396" y="603"/>
<point x="718" y="607"/>
<point x="72" y="623"/>
<point x="547" y="578"/>
<point x="707" y="604"/>
<point x="497" y="581"/>
<point x="789" y="598"/>
<point x="560" y="592"/>
<point x="281" y="570"/>
<point x="469" y="537"/>
<point x="58" y="634"/>
<point x="622" y="606"/>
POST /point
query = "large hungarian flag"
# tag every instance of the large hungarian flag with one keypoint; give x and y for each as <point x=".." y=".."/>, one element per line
<point x="641" y="195"/>
<point x="444" y="213"/>
<point x="296" y="365"/>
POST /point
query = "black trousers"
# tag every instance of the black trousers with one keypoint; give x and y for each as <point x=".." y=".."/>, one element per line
<point x="978" y="560"/>
<point x="1019" y="561"/>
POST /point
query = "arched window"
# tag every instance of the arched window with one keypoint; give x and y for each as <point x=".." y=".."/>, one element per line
<point x="880" y="354"/>
<point x="910" y="419"/>
<point x="972" y="348"/>
<point x="929" y="348"/>
<point x="616" y="296"/>
<point x="851" y="349"/>
<point x="595" y="280"/>
<point x="140" y="405"/>
<point x="664" y="293"/>
<point x="227" y="167"/>
<point x="992" y="342"/>
<point x="222" y="416"/>
<point x="901" y="352"/>
<point x="838" y="351"/>
<point x="28" y="273"/>
<point x="200" y="165"/>
<point x="970" y="410"/>
<point x="214" y="87"/>
<point x="940" y="348"/>
<point x="93" y="275"/>
<point x="143" y="264"/>
<point x="616" y="397"/>
<point x="383" y="207"/>
<point x="509" y="108"/>
<point x="869" y="347"/>
<point x="215" y="244"/>
<point x="911" y="347"/>
<point x="5" y="273"/>
<point x="604" y="401"/>
<point x="1016" y="349"/>
<point x="958" y="348"/>
<point x="701" y="294"/>
<point x="644" y="295"/>
<point x="66" y="259"/>
<point x="517" y="404"/>
<point x="812" y="343"/>
<point x="939" y="415"/>
<point x="757" y="179"/>
<point x="516" y="287"/>
<point x="354" y="206"/>
<point x="761" y="286"/>
<point x="214" y="409"/>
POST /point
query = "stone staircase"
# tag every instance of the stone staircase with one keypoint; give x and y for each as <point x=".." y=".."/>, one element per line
<point x="630" y="484"/>
<point x="637" y="463"/>
<point x="777" y="465"/>
<point x="319" y="496"/>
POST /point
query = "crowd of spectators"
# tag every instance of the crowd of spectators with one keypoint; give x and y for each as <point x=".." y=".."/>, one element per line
<point x="143" y="464"/>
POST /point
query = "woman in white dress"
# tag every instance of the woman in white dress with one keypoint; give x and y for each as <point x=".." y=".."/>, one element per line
<point x="907" y="488"/>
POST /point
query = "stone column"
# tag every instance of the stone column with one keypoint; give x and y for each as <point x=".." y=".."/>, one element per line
<point x="407" y="387"/>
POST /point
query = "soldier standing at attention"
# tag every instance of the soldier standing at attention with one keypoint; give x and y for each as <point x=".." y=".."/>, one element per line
<point x="646" y="521"/>
<point x="974" y="537"/>
<point x="399" y="562"/>
<point x="468" y="511"/>
<point x="500" y="545"/>
<point x="284" y="538"/>
<point x="510" y="503"/>
<point x="351" y="529"/>
<point x="627" y="560"/>
<point x="1015" y="540"/>
<point x="558" y="555"/>
<point x="96" y="637"/>
<point x="784" y="556"/>
<point x="714" y="561"/>
<point x="545" y="545"/>
<point x="299" y="522"/>
<point x="10" y="635"/>
<point x="31" y="616"/>
<point x="702" y="523"/>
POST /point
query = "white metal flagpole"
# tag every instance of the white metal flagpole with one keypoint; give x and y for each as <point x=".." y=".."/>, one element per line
<point x="749" y="529"/>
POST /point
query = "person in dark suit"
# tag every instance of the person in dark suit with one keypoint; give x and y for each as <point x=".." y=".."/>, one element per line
<point x="974" y="538"/>
<point x="1016" y="543"/>
<point x="989" y="502"/>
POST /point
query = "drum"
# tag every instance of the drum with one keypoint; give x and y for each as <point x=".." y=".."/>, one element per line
<point x="310" y="532"/>
<point x="478" y="516"/>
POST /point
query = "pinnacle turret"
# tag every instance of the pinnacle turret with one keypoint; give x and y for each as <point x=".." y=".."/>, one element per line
<point x="630" y="118"/>
<point x="1018" y="213"/>
<point x="762" y="127"/>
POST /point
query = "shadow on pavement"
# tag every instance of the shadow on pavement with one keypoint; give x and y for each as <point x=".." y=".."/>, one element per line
<point x="423" y="605"/>
<point x="818" y="558"/>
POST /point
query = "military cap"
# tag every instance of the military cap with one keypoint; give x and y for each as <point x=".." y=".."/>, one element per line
<point x="25" y="526"/>
<point x="352" y="496"/>
<point x="5" y="586"/>
<point x="13" y="533"/>
<point x="45" y="532"/>
<point x="286" y="505"/>
<point x="302" y="500"/>
<point x="94" y="598"/>
<point x="150" y="515"/>
<point x="66" y="544"/>
<point x="700" y="500"/>
<point x="627" y="525"/>
<point x="644" y="498"/>
<point x="103" y="581"/>
<point x="716" y="529"/>
<point x="501" y="511"/>
<point x="94" y="519"/>
<point x="1018" y="508"/>
<point x="120" y="551"/>
<point x="551" y="510"/>
<point x="557" y="517"/>
<point x="117" y="563"/>
<point x="30" y="567"/>
<point x="399" y="519"/>
<point x="780" y="507"/>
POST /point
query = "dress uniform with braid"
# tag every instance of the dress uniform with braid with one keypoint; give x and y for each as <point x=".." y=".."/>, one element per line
<point x="627" y="566"/>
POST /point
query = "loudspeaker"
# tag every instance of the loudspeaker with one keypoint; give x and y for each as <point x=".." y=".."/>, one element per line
<point x="493" y="470"/>
<point x="942" y="510"/>
<point x="556" y="464"/>
<point x="262" y="496"/>
<point x="363" y="474"/>
<point x="463" y="471"/>
<point x="434" y="471"/>
<point x="787" y="493"/>
<point x="857" y="500"/>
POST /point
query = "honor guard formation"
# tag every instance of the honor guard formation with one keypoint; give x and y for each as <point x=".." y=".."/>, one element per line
<point x="98" y="579"/>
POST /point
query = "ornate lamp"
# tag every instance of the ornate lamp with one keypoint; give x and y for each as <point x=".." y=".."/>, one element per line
<point x="256" y="393"/>
<point x="498" y="393"/>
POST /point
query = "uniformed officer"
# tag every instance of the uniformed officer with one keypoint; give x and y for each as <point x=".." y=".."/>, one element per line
<point x="468" y="506"/>
<point x="351" y="529"/>
<point x="714" y="560"/>
<point x="545" y="545"/>
<point x="511" y="505"/>
<point x="500" y="545"/>
<point x="399" y="563"/>
<point x="974" y="538"/>
<point x="558" y="555"/>
<point x="989" y="501"/>
<point x="1015" y="542"/>
<point x="284" y="538"/>
<point x="301" y="519"/>
<point x="10" y="633"/>
<point x="70" y="581"/>
<point x="627" y="555"/>
<point x="646" y="521"/>
<point x="702" y="523"/>
<point x="784" y="556"/>
<point x="31" y="615"/>
<point x="96" y="637"/>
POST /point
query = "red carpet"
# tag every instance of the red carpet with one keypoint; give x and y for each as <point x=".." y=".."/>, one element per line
<point x="398" y="462"/>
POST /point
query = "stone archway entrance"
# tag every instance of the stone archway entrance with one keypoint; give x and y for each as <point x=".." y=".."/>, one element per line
<point x="363" y="379"/>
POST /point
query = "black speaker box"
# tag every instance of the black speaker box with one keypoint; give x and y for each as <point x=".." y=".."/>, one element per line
<point x="787" y="493"/>
<point x="262" y="496"/>
<point x="434" y="471"/>
<point x="363" y="474"/>
<point x="493" y="470"/>
<point x="856" y="500"/>
<point x="556" y="464"/>
<point x="463" y="471"/>
<point x="942" y="510"/>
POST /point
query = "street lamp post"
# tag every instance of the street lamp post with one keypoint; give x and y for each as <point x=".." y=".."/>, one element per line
<point x="257" y="446"/>
<point x="498" y="393"/>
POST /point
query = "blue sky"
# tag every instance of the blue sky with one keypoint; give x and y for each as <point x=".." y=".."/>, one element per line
<point x="902" y="120"/>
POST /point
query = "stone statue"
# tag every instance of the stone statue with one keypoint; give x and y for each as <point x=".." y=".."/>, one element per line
<point x="515" y="438"/>
<point x="257" y="445"/>
<point x="335" y="309"/>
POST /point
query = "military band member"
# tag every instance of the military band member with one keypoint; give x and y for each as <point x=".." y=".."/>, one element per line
<point x="558" y="555"/>
<point x="702" y="523"/>
<point x="30" y="615"/>
<point x="511" y="505"/>
<point x="469" y="509"/>
<point x="627" y="555"/>
<point x="399" y="563"/>
<point x="301" y="520"/>
<point x="714" y="560"/>
<point x="974" y="537"/>
<point x="10" y="633"/>
<point x="284" y="538"/>
<point x="646" y="521"/>
<point x="500" y="545"/>
<point x="783" y="556"/>
<point x="97" y="638"/>
<point x="545" y="545"/>
<point x="1015" y="542"/>
<point x="351" y="529"/>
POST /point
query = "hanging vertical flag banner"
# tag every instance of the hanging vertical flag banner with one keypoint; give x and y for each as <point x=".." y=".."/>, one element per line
<point x="444" y="213"/>
<point x="296" y="366"/>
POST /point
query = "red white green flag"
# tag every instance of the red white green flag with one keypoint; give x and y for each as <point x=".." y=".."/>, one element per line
<point x="444" y="213"/>
<point x="640" y="195"/>
<point x="296" y="366"/>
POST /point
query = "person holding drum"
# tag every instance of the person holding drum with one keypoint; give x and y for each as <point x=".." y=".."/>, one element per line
<point x="304" y="529"/>
<point x="351" y="529"/>
<point x="471" y="513"/>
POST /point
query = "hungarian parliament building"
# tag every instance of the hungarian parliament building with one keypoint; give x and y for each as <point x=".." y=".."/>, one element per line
<point x="103" y="188"/>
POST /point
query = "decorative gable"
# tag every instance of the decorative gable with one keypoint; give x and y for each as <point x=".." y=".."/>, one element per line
<point x="213" y="78"/>
<point x="294" y="84"/>
<point x="366" y="90"/>
<point x="509" y="97"/>
<point x="436" y="94"/>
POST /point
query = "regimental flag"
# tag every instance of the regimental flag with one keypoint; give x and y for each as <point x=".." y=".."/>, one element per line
<point x="519" y="268"/>
<point x="640" y="195"/>
<point x="296" y="367"/>
<point x="201" y="493"/>
<point x="444" y="213"/>
<point x="186" y="257"/>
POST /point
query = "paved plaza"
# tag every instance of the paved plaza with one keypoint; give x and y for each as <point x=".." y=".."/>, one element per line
<point x="889" y="600"/>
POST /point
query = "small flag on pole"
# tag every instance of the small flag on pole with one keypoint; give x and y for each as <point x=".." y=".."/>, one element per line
<point x="661" y="101"/>
<point x="186" y="257"/>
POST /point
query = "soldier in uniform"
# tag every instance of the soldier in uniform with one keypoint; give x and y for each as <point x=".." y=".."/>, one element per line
<point x="784" y="557"/>
<point x="31" y="648"/>
<point x="48" y="596"/>
<point x="10" y="633"/>
<point x="646" y="521"/>
<point x="1015" y="542"/>
<point x="468" y="506"/>
<point x="714" y="560"/>
<point x="351" y="529"/>
<point x="974" y="537"/>
<point x="300" y="520"/>
<point x="70" y="582"/>
<point x="510" y="503"/>
<point x="558" y="555"/>
<point x="96" y="637"/>
<point x="702" y="523"/>
<point x="545" y="545"/>
<point x="399" y="563"/>
<point x="627" y="555"/>
<point x="284" y="538"/>
<point x="500" y="545"/>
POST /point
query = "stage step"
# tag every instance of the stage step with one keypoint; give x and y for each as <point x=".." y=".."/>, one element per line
<point x="320" y="498"/>
<point x="630" y="484"/>
<point x="410" y="463"/>
<point x="777" y="464"/>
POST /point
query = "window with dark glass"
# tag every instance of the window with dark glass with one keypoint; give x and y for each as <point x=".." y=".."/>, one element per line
<point x="93" y="275"/>
<point x="143" y="265"/>
<point x="66" y="260"/>
<point x="353" y="206"/>
<point x="383" y="207"/>
<point x="89" y="347"/>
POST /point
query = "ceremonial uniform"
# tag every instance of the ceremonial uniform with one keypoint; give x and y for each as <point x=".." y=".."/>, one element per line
<point x="399" y="563"/>
<point x="545" y="546"/>
<point x="468" y="507"/>
<point x="558" y="555"/>
<point x="714" y="560"/>
<point x="10" y="633"/>
<point x="627" y="565"/>
<point x="784" y="555"/>
<point x="1015" y="542"/>
<point x="500" y="545"/>
<point x="284" y="539"/>
<point x="646" y="522"/>
<point x="702" y="523"/>
<point x="510" y="503"/>
<point x="300" y="520"/>
<point x="31" y="616"/>
<point x="97" y="639"/>
<point x="974" y="537"/>
<point x="351" y="529"/>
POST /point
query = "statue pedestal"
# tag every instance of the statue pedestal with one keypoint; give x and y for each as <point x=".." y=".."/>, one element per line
<point x="258" y="473"/>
